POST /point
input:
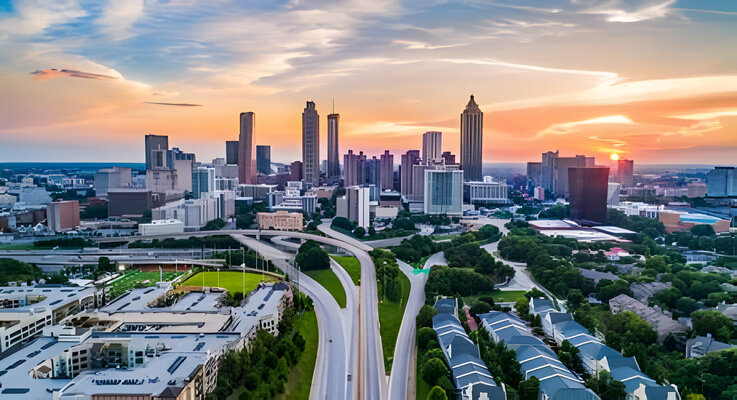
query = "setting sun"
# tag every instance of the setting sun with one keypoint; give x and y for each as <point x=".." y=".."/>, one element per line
<point x="614" y="156"/>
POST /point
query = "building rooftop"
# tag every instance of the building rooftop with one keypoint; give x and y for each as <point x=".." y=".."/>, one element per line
<point x="41" y="297"/>
<point x="597" y="276"/>
<point x="18" y="383"/>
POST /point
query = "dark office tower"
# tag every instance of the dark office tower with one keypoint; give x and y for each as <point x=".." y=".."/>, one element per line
<point x="246" y="145"/>
<point x="354" y="167"/>
<point x="448" y="158"/>
<point x="295" y="171"/>
<point x="549" y="171"/>
<point x="231" y="152"/>
<point x="409" y="159"/>
<point x="472" y="132"/>
<point x="333" y="151"/>
<point x="387" y="171"/>
<point x="561" y="185"/>
<point x="625" y="169"/>
<point x="533" y="172"/>
<point x="373" y="171"/>
<point x="588" y="193"/>
<point x="263" y="159"/>
<point x="311" y="144"/>
<point x="432" y="146"/>
<point x="154" y="143"/>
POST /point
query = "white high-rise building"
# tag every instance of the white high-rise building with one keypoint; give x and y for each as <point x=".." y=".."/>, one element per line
<point x="355" y="205"/>
<point x="443" y="191"/>
<point x="432" y="146"/>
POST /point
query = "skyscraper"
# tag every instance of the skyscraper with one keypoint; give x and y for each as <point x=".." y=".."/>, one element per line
<point x="448" y="158"/>
<point x="373" y="171"/>
<point x="231" y="152"/>
<point x="549" y="171"/>
<point x="443" y="191"/>
<point x="246" y="144"/>
<point x="625" y="169"/>
<point x="387" y="171"/>
<point x="534" y="170"/>
<point x="588" y="187"/>
<point x="153" y="143"/>
<point x="263" y="159"/>
<point x="295" y="171"/>
<point x="561" y="185"/>
<point x="354" y="168"/>
<point x="410" y="158"/>
<point x="472" y="132"/>
<point x="311" y="144"/>
<point x="432" y="146"/>
<point x="333" y="150"/>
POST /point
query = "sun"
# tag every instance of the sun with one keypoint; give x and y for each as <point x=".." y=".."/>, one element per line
<point x="614" y="156"/>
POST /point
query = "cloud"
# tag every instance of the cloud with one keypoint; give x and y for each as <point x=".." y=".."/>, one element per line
<point x="620" y="13"/>
<point x="698" y="10"/>
<point x="174" y="104"/>
<point x="51" y="73"/>
<point x="570" y="127"/>
<point x="118" y="16"/>
<point x="413" y="45"/>
<point x="35" y="16"/>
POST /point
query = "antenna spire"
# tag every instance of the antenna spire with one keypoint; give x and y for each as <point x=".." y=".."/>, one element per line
<point x="333" y="105"/>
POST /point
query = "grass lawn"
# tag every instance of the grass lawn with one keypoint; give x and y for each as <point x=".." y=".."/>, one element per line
<point x="329" y="281"/>
<point x="135" y="278"/>
<point x="300" y="377"/>
<point x="390" y="318"/>
<point x="499" y="297"/>
<point x="232" y="281"/>
<point x="352" y="266"/>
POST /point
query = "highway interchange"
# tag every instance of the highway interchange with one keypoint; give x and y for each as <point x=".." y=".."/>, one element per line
<point x="350" y="360"/>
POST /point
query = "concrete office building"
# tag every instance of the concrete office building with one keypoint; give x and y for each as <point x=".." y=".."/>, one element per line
<point x="161" y="227"/>
<point x="488" y="192"/>
<point x="34" y="195"/>
<point x="443" y="191"/>
<point x="472" y="132"/>
<point x="263" y="159"/>
<point x="624" y="173"/>
<point x="193" y="213"/>
<point x="387" y="171"/>
<point x="549" y="171"/>
<point x="448" y="158"/>
<point x="133" y="202"/>
<point x="111" y="178"/>
<point x="588" y="188"/>
<point x="354" y="168"/>
<point x="311" y="144"/>
<point x="612" y="195"/>
<point x="226" y="200"/>
<point x="409" y="160"/>
<point x="722" y="182"/>
<point x="184" y="174"/>
<point x="246" y="146"/>
<point x="432" y="146"/>
<point x="203" y="181"/>
<point x="696" y="189"/>
<point x="152" y="143"/>
<point x="296" y="171"/>
<point x="333" y="171"/>
<point x="534" y="169"/>
<point x="257" y="192"/>
<point x="231" y="152"/>
<point x="161" y="180"/>
<point x="355" y="206"/>
<point x="280" y="221"/>
<point x="63" y="215"/>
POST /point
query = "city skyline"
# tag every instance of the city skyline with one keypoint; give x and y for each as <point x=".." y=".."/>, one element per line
<point x="86" y="78"/>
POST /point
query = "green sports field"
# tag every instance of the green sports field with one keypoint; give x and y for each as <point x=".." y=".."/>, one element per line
<point x="232" y="281"/>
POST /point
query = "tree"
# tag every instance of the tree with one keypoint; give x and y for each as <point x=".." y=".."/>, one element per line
<point x="311" y="256"/>
<point x="657" y="263"/>
<point x="426" y="337"/>
<point x="714" y="322"/>
<point x="568" y="355"/>
<point x="480" y="307"/>
<point x="424" y="317"/>
<point x="433" y="369"/>
<point x="703" y="230"/>
<point x="104" y="264"/>
<point x="359" y="232"/>
<point x="343" y="223"/>
<point x="574" y="299"/>
<point x="522" y="306"/>
<point x="687" y="305"/>
<point x="528" y="389"/>
<point x="437" y="393"/>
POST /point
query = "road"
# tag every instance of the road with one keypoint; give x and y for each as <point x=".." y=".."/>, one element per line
<point x="372" y="379"/>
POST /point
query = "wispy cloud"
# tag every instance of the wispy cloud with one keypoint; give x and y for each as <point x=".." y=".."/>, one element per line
<point x="699" y="10"/>
<point x="118" y="16"/>
<point x="51" y="73"/>
<point x="570" y="127"/>
<point x="173" y="104"/>
<point x="616" y="12"/>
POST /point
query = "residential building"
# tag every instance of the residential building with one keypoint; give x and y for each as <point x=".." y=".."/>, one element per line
<point x="722" y="182"/>
<point x="333" y="171"/>
<point x="63" y="215"/>
<point x="231" y="152"/>
<point x="373" y="171"/>
<point x="443" y="191"/>
<point x="472" y="133"/>
<point x="409" y="160"/>
<point x="263" y="159"/>
<point x="280" y="221"/>
<point x="624" y="174"/>
<point x="161" y="227"/>
<point x="153" y="143"/>
<point x="432" y="146"/>
<point x="588" y="188"/>
<point x="387" y="171"/>
<point x="539" y="193"/>
<point x="662" y="324"/>
<point x="471" y="377"/>
<point x="111" y="178"/>
<point x="488" y="192"/>
<point x="354" y="168"/>
<point x="311" y="144"/>
<point x="703" y="345"/>
<point x="203" y="181"/>
<point x="246" y="146"/>
<point x="355" y="206"/>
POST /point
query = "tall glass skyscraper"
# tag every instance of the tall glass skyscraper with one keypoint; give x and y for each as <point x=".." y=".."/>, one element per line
<point x="246" y="145"/>
<point x="263" y="159"/>
<point x="472" y="131"/>
<point x="311" y="144"/>
<point x="333" y="155"/>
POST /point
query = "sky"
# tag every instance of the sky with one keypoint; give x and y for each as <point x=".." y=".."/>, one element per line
<point x="651" y="80"/>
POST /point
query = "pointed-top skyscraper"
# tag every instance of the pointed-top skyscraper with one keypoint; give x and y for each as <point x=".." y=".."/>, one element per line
<point x="472" y="130"/>
<point x="311" y="144"/>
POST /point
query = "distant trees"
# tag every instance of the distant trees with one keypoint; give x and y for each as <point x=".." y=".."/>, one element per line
<point x="528" y="389"/>
<point x="12" y="270"/>
<point x="312" y="257"/>
<point x="568" y="355"/>
<point x="359" y="232"/>
<point x="214" y="225"/>
<point x="447" y="281"/>
<point x="342" y="223"/>
<point x="606" y="387"/>
<point x="714" y="322"/>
